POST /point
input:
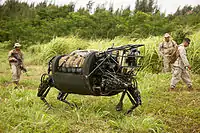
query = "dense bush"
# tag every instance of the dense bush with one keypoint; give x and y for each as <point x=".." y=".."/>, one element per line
<point x="31" y="24"/>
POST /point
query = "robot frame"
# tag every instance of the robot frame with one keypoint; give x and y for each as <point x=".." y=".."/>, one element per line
<point x="89" y="72"/>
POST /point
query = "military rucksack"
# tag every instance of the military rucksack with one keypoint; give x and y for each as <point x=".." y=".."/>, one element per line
<point x="174" y="56"/>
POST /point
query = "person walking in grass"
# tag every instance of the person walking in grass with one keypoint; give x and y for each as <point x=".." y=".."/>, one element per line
<point x="181" y="66"/>
<point x="166" y="49"/>
<point x="15" y="58"/>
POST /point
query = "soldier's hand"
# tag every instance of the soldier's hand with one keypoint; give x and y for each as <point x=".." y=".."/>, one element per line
<point x="25" y="70"/>
<point x="188" y="68"/>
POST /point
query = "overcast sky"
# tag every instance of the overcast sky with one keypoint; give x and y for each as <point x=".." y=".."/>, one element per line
<point x="168" y="6"/>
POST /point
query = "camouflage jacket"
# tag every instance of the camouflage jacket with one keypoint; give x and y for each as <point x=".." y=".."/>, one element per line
<point x="16" y="56"/>
<point x="167" y="48"/>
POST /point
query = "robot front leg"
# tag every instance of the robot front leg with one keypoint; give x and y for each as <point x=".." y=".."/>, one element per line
<point x="44" y="96"/>
<point x="44" y="88"/>
<point x="62" y="97"/>
<point x="134" y="97"/>
<point x="119" y="106"/>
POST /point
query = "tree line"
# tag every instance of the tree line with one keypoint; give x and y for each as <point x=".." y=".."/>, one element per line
<point x="39" y="23"/>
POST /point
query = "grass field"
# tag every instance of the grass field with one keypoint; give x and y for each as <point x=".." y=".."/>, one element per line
<point x="21" y="111"/>
<point x="152" y="62"/>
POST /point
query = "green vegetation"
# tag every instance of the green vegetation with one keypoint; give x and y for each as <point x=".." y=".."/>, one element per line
<point x="151" y="63"/>
<point x="30" y="24"/>
<point x="46" y="30"/>
<point x="56" y="47"/>
<point x="162" y="111"/>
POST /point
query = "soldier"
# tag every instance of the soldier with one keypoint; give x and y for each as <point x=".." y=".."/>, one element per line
<point x="181" y="67"/>
<point x="15" y="58"/>
<point x="166" y="49"/>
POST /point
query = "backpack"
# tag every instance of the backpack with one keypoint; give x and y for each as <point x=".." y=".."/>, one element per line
<point x="174" y="56"/>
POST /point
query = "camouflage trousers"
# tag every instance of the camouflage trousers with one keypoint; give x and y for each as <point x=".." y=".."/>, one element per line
<point x="16" y="72"/>
<point x="178" y="74"/>
<point x="167" y="64"/>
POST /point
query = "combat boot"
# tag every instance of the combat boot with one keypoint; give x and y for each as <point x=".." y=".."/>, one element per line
<point x="190" y="88"/>
<point x="15" y="83"/>
<point x="171" y="89"/>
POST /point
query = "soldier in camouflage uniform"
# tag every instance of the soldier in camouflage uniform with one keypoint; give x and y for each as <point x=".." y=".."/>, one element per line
<point x="181" y="67"/>
<point x="166" y="49"/>
<point x="16" y="58"/>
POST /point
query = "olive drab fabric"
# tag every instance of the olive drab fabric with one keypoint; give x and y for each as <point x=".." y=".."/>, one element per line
<point x="166" y="49"/>
<point x="179" y="68"/>
<point x="15" y="59"/>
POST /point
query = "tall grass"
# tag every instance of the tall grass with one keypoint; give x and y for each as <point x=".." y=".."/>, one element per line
<point x="161" y="111"/>
<point x="6" y="45"/>
<point x="56" y="47"/>
<point x="152" y="62"/>
<point x="194" y="52"/>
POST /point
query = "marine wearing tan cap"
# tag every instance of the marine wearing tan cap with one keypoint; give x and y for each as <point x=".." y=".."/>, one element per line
<point x="166" y="49"/>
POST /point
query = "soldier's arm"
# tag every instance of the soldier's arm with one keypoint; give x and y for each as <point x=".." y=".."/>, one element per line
<point x="184" y="57"/>
<point x="10" y="56"/>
